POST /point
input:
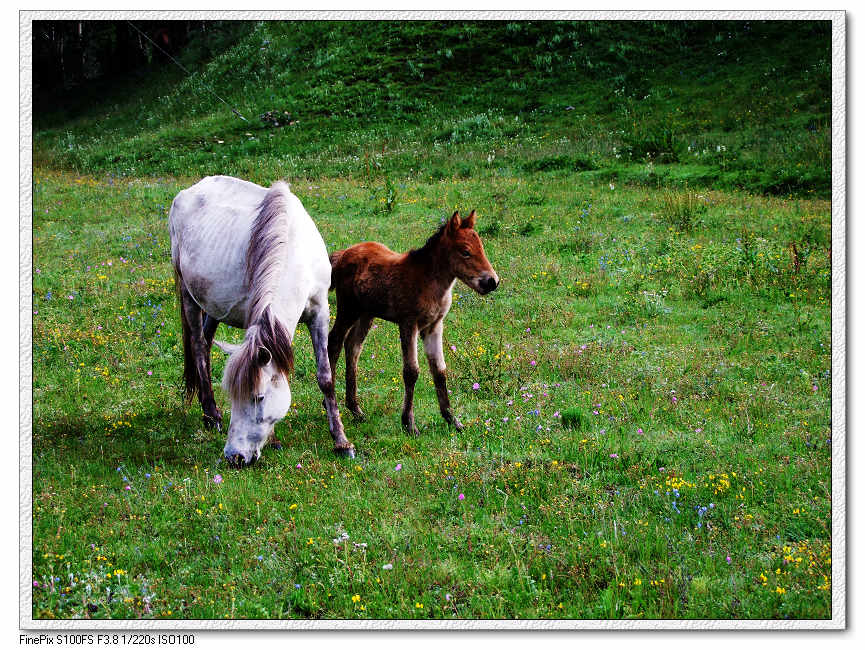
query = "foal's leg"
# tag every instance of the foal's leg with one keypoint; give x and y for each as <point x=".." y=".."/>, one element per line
<point x="432" y="345"/>
<point x="318" y="333"/>
<point x="408" y="339"/>
<point x="201" y="358"/>
<point x="353" y="346"/>
<point x="341" y="326"/>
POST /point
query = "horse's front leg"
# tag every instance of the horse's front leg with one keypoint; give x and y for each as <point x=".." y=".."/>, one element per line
<point x="318" y="333"/>
<point x="432" y="345"/>
<point x="408" y="339"/>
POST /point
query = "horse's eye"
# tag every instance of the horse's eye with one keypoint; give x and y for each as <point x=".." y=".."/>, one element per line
<point x="465" y="253"/>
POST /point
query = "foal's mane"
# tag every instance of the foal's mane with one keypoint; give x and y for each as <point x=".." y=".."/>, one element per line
<point x="268" y="244"/>
<point x="430" y="245"/>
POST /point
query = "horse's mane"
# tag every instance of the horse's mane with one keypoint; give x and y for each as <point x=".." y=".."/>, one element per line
<point x="430" y="245"/>
<point x="242" y="367"/>
<point x="267" y="250"/>
<point x="267" y="244"/>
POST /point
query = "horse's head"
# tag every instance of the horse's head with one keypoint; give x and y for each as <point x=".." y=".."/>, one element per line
<point x="260" y="397"/>
<point x="466" y="253"/>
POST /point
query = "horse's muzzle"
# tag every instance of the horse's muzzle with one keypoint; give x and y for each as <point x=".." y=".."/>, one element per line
<point x="488" y="284"/>
<point x="237" y="461"/>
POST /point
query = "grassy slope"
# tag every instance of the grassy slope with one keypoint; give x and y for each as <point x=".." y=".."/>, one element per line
<point x="426" y="100"/>
<point x="650" y="354"/>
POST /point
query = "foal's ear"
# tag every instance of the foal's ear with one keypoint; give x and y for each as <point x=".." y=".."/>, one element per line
<point x="455" y="222"/>
<point x="228" y="348"/>
<point x="469" y="221"/>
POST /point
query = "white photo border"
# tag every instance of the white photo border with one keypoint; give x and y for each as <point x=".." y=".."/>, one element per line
<point x="838" y="621"/>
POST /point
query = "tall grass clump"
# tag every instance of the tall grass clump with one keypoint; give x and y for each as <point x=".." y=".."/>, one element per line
<point x="682" y="209"/>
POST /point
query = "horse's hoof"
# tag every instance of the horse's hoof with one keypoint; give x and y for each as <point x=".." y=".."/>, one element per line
<point x="212" y="422"/>
<point x="451" y="420"/>
<point x="344" y="452"/>
<point x="358" y="415"/>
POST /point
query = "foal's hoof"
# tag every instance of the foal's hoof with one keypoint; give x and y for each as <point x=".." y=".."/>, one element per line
<point x="358" y="415"/>
<point x="451" y="419"/>
<point x="344" y="452"/>
<point x="213" y="422"/>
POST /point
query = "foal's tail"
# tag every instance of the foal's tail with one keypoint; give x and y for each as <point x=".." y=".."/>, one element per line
<point x="334" y="260"/>
<point x="190" y="374"/>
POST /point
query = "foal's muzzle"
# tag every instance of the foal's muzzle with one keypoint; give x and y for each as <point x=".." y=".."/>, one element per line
<point x="488" y="283"/>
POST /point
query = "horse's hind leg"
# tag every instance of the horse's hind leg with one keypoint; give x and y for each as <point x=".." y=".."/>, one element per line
<point x="353" y="347"/>
<point x="197" y="358"/>
<point x="321" y="345"/>
<point x="408" y="339"/>
<point x="209" y="331"/>
<point x="335" y="339"/>
<point x="208" y="327"/>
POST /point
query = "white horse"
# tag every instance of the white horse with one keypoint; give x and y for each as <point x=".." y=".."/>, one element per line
<point x="250" y="257"/>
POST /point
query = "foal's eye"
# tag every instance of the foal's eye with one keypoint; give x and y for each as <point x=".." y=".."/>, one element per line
<point x="465" y="253"/>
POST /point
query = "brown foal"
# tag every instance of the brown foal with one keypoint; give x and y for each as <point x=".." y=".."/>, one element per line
<point x="412" y="290"/>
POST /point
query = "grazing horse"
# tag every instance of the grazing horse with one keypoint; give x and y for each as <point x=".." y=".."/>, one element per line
<point x="250" y="257"/>
<point x="412" y="290"/>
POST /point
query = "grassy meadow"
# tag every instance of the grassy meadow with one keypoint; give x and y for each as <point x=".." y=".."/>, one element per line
<point x="646" y="396"/>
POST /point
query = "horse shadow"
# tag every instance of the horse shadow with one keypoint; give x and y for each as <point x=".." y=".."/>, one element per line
<point x="169" y="438"/>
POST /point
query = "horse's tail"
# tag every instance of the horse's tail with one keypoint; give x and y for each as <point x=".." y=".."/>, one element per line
<point x="334" y="260"/>
<point x="190" y="372"/>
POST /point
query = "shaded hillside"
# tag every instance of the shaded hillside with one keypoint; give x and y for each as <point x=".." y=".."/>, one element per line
<point x="732" y="105"/>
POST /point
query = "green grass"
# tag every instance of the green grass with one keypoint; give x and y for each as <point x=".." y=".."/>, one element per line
<point x="647" y="361"/>
<point x="650" y="436"/>
<point x="720" y="105"/>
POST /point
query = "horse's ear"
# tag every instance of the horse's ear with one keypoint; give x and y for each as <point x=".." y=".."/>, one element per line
<point x="228" y="348"/>
<point x="469" y="221"/>
<point x="263" y="356"/>
<point x="455" y="222"/>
